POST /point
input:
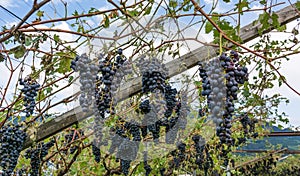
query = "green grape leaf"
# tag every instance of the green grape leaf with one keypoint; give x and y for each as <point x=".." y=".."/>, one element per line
<point x="106" y="22"/>
<point x="2" y="57"/>
<point x="297" y="4"/>
<point x="148" y="10"/>
<point x="18" y="51"/>
<point x="173" y="4"/>
<point x="208" y="27"/>
<point x="28" y="41"/>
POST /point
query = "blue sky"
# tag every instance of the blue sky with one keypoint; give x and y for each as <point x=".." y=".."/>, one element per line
<point x="55" y="9"/>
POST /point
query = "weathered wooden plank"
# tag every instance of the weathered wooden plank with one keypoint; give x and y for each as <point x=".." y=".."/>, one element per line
<point x="280" y="134"/>
<point x="264" y="151"/>
<point x="175" y="67"/>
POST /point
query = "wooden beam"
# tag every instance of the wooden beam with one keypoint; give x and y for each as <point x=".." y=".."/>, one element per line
<point x="265" y="151"/>
<point x="175" y="67"/>
<point x="278" y="134"/>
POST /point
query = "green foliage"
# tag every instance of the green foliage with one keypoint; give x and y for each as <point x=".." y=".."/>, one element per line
<point x="18" y="51"/>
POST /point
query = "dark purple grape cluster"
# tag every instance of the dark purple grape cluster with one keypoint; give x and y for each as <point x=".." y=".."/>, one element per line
<point x="172" y="128"/>
<point x="73" y="65"/>
<point x="151" y="122"/>
<point x="127" y="152"/>
<point x="213" y="88"/>
<point x="117" y="138"/>
<point x="106" y="83"/>
<point x="134" y="130"/>
<point x="174" y="123"/>
<point x="234" y="75"/>
<point x="124" y="68"/>
<point x="87" y="78"/>
<point x="206" y="87"/>
<point x="154" y="74"/>
<point x="170" y="98"/>
<point x="182" y="110"/>
<point x="126" y="139"/>
<point x="36" y="155"/>
<point x="125" y="165"/>
<point x="162" y="171"/>
<point x="203" y="158"/>
<point x="178" y="155"/>
<point x="144" y="107"/>
<point x="264" y="166"/>
<point x="96" y="153"/>
<point x="159" y="112"/>
<point x="248" y="128"/>
<point x="12" y="139"/>
<point x="71" y="136"/>
<point x="109" y="77"/>
<point x="147" y="167"/>
<point x="247" y="123"/>
<point x="30" y="92"/>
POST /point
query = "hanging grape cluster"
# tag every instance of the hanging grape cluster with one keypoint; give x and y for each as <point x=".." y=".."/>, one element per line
<point x="154" y="74"/>
<point x="108" y="70"/>
<point x="213" y="88"/>
<point x="12" y="139"/>
<point x="292" y="170"/>
<point x="147" y="167"/>
<point x="248" y="128"/>
<point x="235" y="75"/>
<point x="71" y="136"/>
<point x="264" y="166"/>
<point x="127" y="152"/>
<point x="87" y="78"/>
<point x="30" y="92"/>
<point x="96" y="152"/>
<point x="202" y="157"/>
<point x="36" y="156"/>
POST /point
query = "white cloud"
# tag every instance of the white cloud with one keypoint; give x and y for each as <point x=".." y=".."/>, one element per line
<point x="7" y="3"/>
<point x="258" y="6"/>
<point x="208" y="1"/>
<point x="290" y="69"/>
<point x="63" y="1"/>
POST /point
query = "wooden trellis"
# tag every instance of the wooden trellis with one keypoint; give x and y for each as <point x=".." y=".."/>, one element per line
<point x="175" y="67"/>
